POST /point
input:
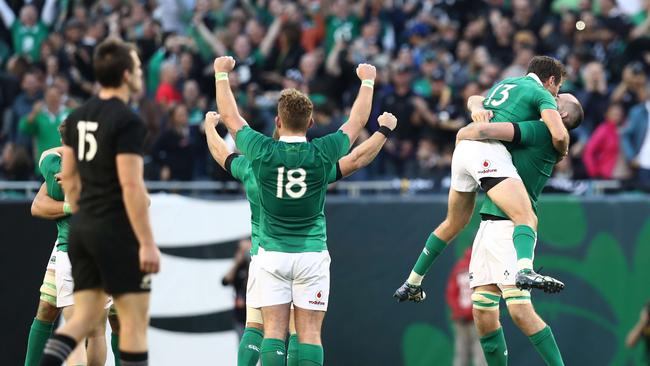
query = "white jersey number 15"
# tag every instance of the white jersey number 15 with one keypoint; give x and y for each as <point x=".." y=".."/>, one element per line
<point x="86" y="136"/>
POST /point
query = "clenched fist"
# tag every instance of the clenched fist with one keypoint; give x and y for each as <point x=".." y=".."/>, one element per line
<point x="388" y="120"/>
<point x="211" y="120"/>
<point x="224" y="64"/>
<point x="366" y="72"/>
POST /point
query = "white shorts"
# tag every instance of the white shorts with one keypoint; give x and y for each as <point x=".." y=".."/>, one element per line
<point x="301" y="278"/>
<point x="51" y="264"/>
<point x="494" y="259"/>
<point x="251" y="283"/>
<point x="473" y="160"/>
<point x="65" y="284"/>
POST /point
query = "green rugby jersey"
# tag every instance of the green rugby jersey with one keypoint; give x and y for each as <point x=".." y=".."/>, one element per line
<point x="27" y="40"/>
<point x="534" y="157"/>
<point x="240" y="168"/>
<point x="519" y="99"/>
<point x="50" y="165"/>
<point x="292" y="181"/>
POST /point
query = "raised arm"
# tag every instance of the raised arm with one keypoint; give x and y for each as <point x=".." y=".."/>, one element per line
<point x="366" y="152"/>
<point x="130" y="169"/>
<point x="226" y="104"/>
<point x="559" y="133"/>
<point x="46" y="207"/>
<point x="216" y="144"/>
<point x="48" y="14"/>
<point x="635" y="334"/>
<point x="7" y="15"/>
<point x="487" y="131"/>
<point x="363" y="104"/>
<point x="70" y="180"/>
<point x="215" y="44"/>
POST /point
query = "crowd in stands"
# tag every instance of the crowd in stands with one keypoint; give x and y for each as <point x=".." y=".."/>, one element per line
<point x="431" y="56"/>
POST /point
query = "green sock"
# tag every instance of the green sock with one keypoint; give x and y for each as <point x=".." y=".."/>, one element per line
<point x="310" y="354"/>
<point x="115" y="346"/>
<point x="524" y="238"/>
<point x="494" y="348"/>
<point x="292" y="351"/>
<point x="545" y="344"/>
<point x="432" y="249"/>
<point x="39" y="333"/>
<point x="273" y="352"/>
<point x="249" y="347"/>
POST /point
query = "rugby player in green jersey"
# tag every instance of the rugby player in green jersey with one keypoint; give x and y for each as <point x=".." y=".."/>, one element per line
<point x="488" y="165"/>
<point x="240" y="168"/>
<point x="56" y="292"/>
<point x="292" y="177"/>
<point x="494" y="259"/>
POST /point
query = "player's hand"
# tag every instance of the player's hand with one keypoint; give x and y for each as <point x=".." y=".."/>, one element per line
<point x="224" y="64"/>
<point x="211" y="120"/>
<point x="388" y="120"/>
<point x="366" y="72"/>
<point x="482" y="115"/>
<point x="149" y="258"/>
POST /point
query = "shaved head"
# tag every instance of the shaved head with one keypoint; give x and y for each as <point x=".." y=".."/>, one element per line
<point x="571" y="110"/>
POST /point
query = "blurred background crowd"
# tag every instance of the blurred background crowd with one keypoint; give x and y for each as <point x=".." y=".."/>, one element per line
<point x="431" y="56"/>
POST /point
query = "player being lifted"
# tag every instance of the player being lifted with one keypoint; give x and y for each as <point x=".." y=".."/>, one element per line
<point x="494" y="259"/>
<point x="240" y="168"/>
<point x="50" y="204"/>
<point x="488" y="165"/>
<point x="111" y="245"/>
<point x="292" y="177"/>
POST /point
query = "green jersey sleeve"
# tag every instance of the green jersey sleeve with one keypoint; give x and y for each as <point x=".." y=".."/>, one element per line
<point x="252" y="143"/>
<point x="533" y="133"/>
<point x="334" y="146"/>
<point x="50" y="165"/>
<point x="544" y="100"/>
<point x="239" y="167"/>
<point x="335" y="174"/>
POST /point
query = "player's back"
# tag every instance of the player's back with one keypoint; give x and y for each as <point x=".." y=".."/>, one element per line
<point x="292" y="176"/>
<point x="98" y="131"/>
<point x="518" y="99"/>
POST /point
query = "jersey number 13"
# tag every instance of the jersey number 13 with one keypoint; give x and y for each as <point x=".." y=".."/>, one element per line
<point x="295" y="178"/>
<point x="86" y="137"/>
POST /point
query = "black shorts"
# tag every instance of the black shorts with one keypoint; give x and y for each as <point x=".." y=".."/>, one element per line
<point x="104" y="254"/>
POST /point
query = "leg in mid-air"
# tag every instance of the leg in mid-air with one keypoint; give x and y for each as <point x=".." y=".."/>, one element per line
<point x="249" y="345"/>
<point x="114" y="321"/>
<point x="524" y="316"/>
<point x="510" y="195"/>
<point x="134" y="320"/>
<point x="292" y="348"/>
<point x="459" y="213"/>
<point x="485" y="302"/>
<point x="276" y="325"/>
<point x="46" y="315"/>
<point x="88" y="313"/>
<point x="308" y="327"/>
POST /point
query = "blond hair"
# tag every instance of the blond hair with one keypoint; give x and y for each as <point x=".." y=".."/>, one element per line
<point x="295" y="110"/>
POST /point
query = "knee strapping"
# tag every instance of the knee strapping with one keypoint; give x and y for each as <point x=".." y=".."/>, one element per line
<point x="253" y="315"/>
<point x="485" y="300"/>
<point x="516" y="296"/>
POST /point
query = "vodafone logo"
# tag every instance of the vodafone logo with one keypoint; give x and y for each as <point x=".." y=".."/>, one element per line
<point x="486" y="163"/>
<point x="319" y="296"/>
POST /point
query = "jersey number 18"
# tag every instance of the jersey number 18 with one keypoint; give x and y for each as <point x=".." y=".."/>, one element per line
<point x="86" y="136"/>
<point x="295" y="177"/>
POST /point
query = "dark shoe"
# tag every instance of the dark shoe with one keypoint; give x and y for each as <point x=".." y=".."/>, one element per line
<point x="527" y="279"/>
<point x="410" y="292"/>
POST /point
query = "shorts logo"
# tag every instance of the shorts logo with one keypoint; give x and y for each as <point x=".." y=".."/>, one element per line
<point x="318" y="301"/>
<point x="486" y="167"/>
<point x="471" y="276"/>
<point x="506" y="274"/>
<point x="146" y="282"/>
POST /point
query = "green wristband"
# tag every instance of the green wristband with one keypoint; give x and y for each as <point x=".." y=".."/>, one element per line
<point x="369" y="83"/>
<point x="67" y="209"/>
<point x="221" y="76"/>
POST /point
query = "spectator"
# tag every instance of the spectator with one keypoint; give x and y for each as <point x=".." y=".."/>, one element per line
<point x="631" y="89"/>
<point x="467" y="348"/>
<point x="31" y="87"/>
<point x="237" y="277"/>
<point x="603" y="156"/>
<point x="15" y="164"/>
<point x="174" y="149"/>
<point x="42" y="123"/>
<point x="167" y="94"/>
<point x="342" y="24"/>
<point x="641" y="330"/>
<point x="636" y="140"/>
<point x="28" y="32"/>
<point x="594" y="96"/>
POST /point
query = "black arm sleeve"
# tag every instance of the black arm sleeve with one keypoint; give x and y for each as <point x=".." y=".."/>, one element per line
<point x="229" y="160"/>
<point x="516" y="138"/>
<point x="339" y="174"/>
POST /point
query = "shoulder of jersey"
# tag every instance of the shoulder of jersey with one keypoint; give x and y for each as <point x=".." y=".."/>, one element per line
<point x="47" y="153"/>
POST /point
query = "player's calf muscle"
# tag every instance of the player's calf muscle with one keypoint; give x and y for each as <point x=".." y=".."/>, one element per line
<point x="46" y="312"/>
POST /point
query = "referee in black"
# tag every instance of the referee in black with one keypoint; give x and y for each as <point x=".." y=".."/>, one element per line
<point x="111" y="245"/>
